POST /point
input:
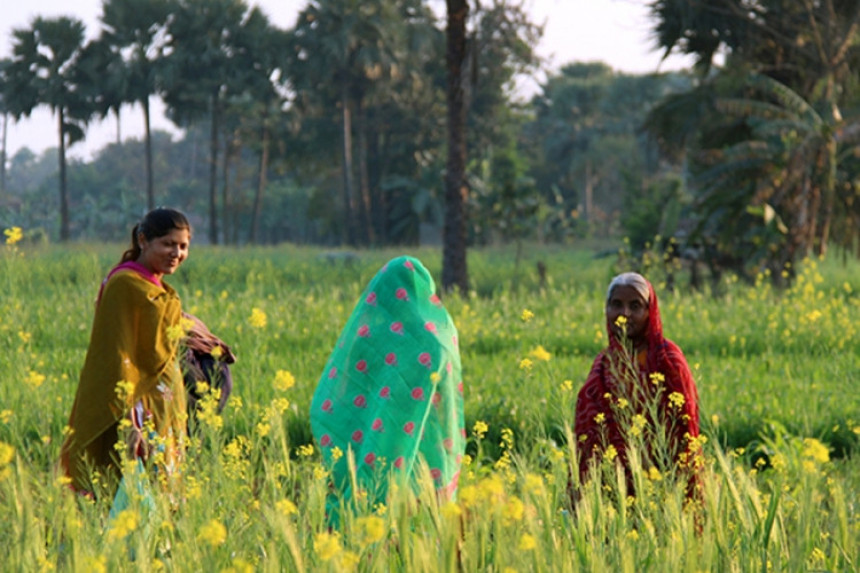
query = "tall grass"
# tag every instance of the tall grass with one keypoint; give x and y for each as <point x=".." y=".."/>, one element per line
<point x="776" y="372"/>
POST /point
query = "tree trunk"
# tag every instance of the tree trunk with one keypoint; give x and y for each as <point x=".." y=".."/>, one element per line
<point x="213" y="172"/>
<point x="261" y="179"/>
<point x="367" y="235"/>
<point x="150" y="192"/>
<point x="589" y="196"/>
<point x="348" y="207"/>
<point x="237" y="205"/>
<point x="829" y="192"/>
<point x="454" y="270"/>
<point x="231" y="147"/>
<point x="380" y="204"/>
<point x="118" y="126"/>
<point x="3" y="154"/>
<point x="64" y="192"/>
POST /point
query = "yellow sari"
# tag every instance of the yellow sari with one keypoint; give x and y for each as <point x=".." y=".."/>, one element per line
<point x="131" y="363"/>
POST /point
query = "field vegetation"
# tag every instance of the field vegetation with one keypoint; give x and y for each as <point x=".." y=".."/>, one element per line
<point x="777" y="374"/>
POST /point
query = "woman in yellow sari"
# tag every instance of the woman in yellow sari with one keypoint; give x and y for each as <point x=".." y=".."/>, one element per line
<point x="131" y="386"/>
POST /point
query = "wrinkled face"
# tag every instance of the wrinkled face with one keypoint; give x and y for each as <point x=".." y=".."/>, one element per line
<point x="626" y="302"/>
<point x="163" y="255"/>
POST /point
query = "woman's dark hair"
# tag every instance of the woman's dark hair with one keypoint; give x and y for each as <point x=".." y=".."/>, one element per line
<point x="154" y="224"/>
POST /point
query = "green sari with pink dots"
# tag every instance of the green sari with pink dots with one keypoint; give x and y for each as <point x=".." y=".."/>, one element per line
<point x="391" y="392"/>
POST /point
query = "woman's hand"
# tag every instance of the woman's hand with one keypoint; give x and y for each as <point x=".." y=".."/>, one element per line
<point x="138" y="448"/>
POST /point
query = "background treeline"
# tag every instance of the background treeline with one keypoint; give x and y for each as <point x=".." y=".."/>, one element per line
<point x="346" y="86"/>
<point x="334" y="131"/>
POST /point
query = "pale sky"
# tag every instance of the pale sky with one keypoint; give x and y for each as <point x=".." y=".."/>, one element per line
<point x="614" y="31"/>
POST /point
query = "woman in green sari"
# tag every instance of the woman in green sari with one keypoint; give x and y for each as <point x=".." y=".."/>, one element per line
<point x="391" y="394"/>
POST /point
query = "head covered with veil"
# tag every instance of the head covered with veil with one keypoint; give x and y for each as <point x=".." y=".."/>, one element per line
<point x="391" y="393"/>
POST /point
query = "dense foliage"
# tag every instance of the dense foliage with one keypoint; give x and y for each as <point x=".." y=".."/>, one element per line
<point x="334" y="131"/>
<point x="771" y="133"/>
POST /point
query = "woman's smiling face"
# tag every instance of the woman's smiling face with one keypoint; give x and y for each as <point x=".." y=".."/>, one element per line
<point x="163" y="255"/>
<point x="626" y="302"/>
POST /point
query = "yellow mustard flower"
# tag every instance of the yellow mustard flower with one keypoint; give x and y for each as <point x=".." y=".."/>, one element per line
<point x="7" y="453"/>
<point x="239" y="565"/>
<point x="676" y="399"/>
<point x="654" y="474"/>
<point x="124" y="389"/>
<point x="534" y="484"/>
<point x="286" y="507"/>
<point x="638" y="423"/>
<point x="347" y="561"/>
<point x="258" y="318"/>
<point x="611" y="453"/>
<point x="95" y="564"/>
<point x="284" y="380"/>
<point x="34" y="379"/>
<point x="540" y="354"/>
<point x="527" y="315"/>
<point x="326" y="545"/>
<point x="123" y="524"/>
<point x="13" y="235"/>
<point x="507" y="438"/>
<point x="450" y="510"/>
<point x="214" y="533"/>
<point x="372" y="528"/>
<point x="513" y="510"/>
<point x="526" y="364"/>
<point x="320" y="473"/>
<point x="527" y="542"/>
<point x="280" y="405"/>
<point x="600" y="418"/>
<point x="815" y="450"/>
<point x="262" y="429"/>
<point x="480" y="429"/>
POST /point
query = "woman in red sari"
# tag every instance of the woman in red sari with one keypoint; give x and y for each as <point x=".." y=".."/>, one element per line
<point x="640" y="391"/>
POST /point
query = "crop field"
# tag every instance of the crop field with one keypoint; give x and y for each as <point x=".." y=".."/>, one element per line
<point x="777" y="372"/>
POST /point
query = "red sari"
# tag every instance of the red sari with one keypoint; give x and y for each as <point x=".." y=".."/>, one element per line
<point x="616" y="376"/>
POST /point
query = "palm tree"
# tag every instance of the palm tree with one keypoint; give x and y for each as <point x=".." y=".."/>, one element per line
<point x="103" y="79"/>
<point x="264" y="45"/>
<point x="349" y="44"/>
<point x="136" y="28"/>
<point x="201" y="70"/>
<point x="42" y="72"/>
<point x="4" y="111"/>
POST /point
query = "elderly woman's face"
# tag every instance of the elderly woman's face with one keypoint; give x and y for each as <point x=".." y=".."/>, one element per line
<point x="626" y="302"/>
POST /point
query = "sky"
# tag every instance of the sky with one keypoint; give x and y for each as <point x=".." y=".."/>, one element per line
<point x="617" y="32"/>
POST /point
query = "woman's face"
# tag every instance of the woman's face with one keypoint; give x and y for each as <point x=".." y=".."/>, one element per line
<point x="626" y="302"/>
<point x="163" y="255"/>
